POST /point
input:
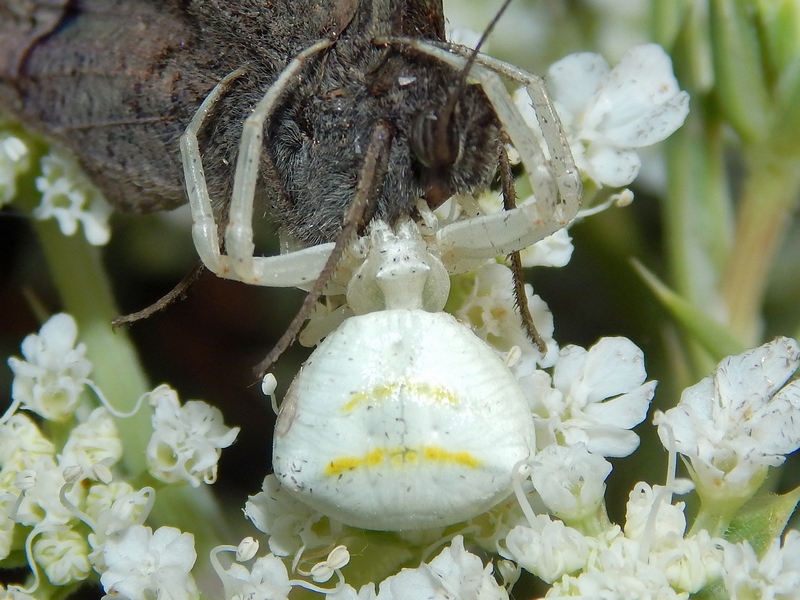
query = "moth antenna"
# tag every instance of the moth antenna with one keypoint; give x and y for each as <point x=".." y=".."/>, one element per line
<point x="363" y="204"/>
<point x="179" y="291"/>
<point x="510" y="202"/>
<point x="174" y="295"/>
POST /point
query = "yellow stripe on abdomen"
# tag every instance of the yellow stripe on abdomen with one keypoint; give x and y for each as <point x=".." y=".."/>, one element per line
<point x="401" y="457"/>
<point x="432" y="393"/>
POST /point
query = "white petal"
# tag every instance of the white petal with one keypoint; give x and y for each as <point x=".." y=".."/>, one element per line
<point x="625" y="411"/>
<point x="59" y="333"/>
<point x="610" y="441"/>
<point x="611" y="166"/>
<point x="574" y="80"/>
<point x="778" y="427"/>
<point x="633" y="94"/>
<point x="615" y="365"/>
<point x="757" y="373"/>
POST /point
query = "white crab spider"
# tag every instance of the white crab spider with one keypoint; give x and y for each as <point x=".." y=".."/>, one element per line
<point x="463" y="245"/>
<point x="402" y="418"/>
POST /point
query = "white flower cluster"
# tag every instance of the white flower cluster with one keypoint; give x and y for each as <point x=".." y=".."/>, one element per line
<point x="60" y="502"/>
<point x="67" y="195"/>
<point x="187" y="440"/>
<point x="14" y="160"/>
<point x="52" y="377"/>
<point x="738" y="422"/>
<point x="70" y="198"/>
<point x="609" y="113"/>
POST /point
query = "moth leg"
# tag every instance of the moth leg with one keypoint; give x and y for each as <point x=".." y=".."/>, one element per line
<point x="294" y="269"/>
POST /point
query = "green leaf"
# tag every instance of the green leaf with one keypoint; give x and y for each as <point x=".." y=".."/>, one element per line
<point x="762" y="520"/>
<point x="710" y="334"/>
<point x="741" y="83"/>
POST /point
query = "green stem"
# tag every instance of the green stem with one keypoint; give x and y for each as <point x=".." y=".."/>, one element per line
<point x="698" y="223"/>
<point x="78" y="273"/>
<point x="768" y="200"/>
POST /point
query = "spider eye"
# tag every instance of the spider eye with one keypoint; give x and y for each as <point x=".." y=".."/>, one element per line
<point x="435" y="139"/>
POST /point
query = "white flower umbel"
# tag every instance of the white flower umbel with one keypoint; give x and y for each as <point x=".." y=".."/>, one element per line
<point x="609" y="113"/>
<point x="454" y="573"/>
<point x="145" y="564"/>
<point x="775" y="576"/>
<point x="50" y="379"/>
<point x="651" y="559"/>
<point x="598" y="395"/>
<point x="187" y="440"/>
<point x="14" y="160"/>
<point x="70" y="198"/>
<point x="738" y="422"/>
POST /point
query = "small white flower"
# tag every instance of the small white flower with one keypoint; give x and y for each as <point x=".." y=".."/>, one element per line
<point x="64" y="555"/>
<point x="608" y="113"/>
<point x="776" y="575"/>
<point x="13" y="592"/>
<point x="285" y="519"/>
<point x="570" y="480"/>
<point x="40" y="503"/>
<point x="548" y="549"/>
<point x="598" y="396"/>
<point x="14" y="160"/>
<point x="734" y="424"/>
<point x="70" y="198"/>
<point x="20" y="437"/>
<point x="658" y="526"/>
<point x="50" y="380"/>
<point x="146" y="564"/>
<point x="642" y="582"/>
<point x="454" y="573"/>
<point x="113" y="508"/>
<point x="94" y="442"/>
<point x="187" y="440"/>
<point x="267" y="580"/>
<point x="642" y="501"/>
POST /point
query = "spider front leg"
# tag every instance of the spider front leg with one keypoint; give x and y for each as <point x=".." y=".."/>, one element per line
<point x="295" y="269"/>
<point x="556" y="180"/>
